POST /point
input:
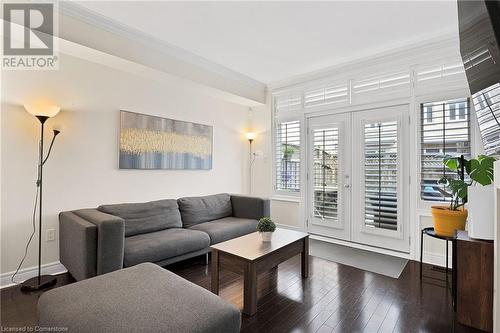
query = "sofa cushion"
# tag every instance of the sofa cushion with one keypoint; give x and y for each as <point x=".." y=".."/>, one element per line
<point x="227" y="228"/>
<point x="196" y="210"/>
<point x="146" y="217"/>
<point x="160" y="245"/>
<point x="143" y="298"/>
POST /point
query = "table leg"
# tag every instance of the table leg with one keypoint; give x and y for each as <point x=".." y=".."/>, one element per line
<point x="305" y="258"/>
<point x="250" y="290"/>
<point x="215" y="271"/>
<point x="421" y="251"/>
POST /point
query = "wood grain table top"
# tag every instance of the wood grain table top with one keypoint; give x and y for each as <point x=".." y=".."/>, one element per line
<point x="251" y="246"/>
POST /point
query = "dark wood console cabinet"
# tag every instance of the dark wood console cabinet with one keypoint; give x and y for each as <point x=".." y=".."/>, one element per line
<point x="474" y="278"/>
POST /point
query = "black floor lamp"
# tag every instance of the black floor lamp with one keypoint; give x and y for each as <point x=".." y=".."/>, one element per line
<point x="42" y="112"/>
<point x="250" y="137"/>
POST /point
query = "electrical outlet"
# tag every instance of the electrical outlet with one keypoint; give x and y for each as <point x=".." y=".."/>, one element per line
<point x="51" y="235"/>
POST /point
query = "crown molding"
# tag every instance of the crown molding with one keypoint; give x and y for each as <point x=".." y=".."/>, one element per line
<point x="82" y="26"/>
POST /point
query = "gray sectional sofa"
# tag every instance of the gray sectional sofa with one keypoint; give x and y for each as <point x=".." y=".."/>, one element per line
<point x="111" y="237"/>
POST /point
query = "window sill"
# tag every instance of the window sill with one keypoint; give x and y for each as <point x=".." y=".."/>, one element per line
<point x="286" y="198"/>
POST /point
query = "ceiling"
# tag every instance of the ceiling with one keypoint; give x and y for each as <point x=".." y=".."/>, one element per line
<point x="273" y="41"/>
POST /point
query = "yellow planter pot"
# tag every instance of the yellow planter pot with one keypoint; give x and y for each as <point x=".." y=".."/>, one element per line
<point x="446" y="221"/>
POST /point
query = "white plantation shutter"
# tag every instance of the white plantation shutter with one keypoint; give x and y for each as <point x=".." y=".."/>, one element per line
<point x="288" y="156"/>
<point x="336" y="94"/>
<point x="439" y="72"/>
<point x="487" y="106"/>
<point x="445" y="130"/>
<point x="381" y="87"/>
<point x="383" y="82"/>
<point x="430" y="78"/>
<point x="381" y="174"/>
<point x="288" y="102"/>
<point x="325" y="159"/>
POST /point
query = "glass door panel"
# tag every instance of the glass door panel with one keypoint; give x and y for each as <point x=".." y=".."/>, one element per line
<point x="378" y="190"/>
<point x="381" y="175"/>
<point x="328" y="175"/>
<point x="325" y="173"/>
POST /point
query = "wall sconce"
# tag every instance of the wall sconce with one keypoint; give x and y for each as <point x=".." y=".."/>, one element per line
<point x="42" y="111"/>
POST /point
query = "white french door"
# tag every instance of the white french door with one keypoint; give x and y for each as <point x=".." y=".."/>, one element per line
<point x="357" y="166"/>
<point x="328" y="176"/>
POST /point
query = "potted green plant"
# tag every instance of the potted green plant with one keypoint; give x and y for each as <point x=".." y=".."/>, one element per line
<point x="453" y="217"/>
<point x="288" y="152"/>
<point x="266" y="227"/>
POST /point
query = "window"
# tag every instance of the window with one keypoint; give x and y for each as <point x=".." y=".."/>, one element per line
<point x="487" y="105"/>
<point x="447" y="134"/>
<point x="381" y="178"/>
<point x="288" y="156"/>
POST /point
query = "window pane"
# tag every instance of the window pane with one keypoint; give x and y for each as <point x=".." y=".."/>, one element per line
<point x="325" y="155"/>
<point x="447" y="134"/>
<point x="487" y="105"/>
<point x="381" y="175"/>
<point x="288" y="156"/>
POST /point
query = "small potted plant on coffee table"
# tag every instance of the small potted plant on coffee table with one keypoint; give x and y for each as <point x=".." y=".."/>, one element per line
<point x="266" y="228"/>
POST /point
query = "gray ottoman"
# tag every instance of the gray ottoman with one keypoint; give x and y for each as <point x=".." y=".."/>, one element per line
<point x="142" y="298"/>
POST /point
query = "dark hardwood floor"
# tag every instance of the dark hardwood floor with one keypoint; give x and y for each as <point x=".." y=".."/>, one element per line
<point x="335" y="298"/>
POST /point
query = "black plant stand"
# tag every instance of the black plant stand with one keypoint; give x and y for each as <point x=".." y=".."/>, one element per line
<point x="431" y="233"/>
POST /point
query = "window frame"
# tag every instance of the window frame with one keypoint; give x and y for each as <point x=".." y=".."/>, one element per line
<point x="424" y="206"/>
<point x="277" y="118"/>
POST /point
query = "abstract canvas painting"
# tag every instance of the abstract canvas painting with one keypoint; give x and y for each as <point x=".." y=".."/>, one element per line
<point x="149" y="142"/>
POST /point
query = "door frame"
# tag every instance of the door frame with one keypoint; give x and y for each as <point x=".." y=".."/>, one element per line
<point x="406" y="178"/>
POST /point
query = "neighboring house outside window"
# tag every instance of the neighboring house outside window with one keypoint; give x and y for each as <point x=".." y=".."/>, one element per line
<point x="448" y="134"/>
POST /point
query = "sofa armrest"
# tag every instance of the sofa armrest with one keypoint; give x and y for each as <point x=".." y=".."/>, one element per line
<point x="110" y="239"/>
<point x="77" y="245"/>
<point x="250" y="207"/>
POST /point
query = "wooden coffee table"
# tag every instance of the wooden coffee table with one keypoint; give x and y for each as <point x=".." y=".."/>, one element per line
<point x="249" y="255"/>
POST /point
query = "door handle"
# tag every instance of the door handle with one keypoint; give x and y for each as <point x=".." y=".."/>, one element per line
<point x="347" y="185"/>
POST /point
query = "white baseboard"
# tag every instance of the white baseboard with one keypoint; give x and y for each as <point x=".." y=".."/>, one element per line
<point x="52" y="268"/>
<point x="289" y="227"/>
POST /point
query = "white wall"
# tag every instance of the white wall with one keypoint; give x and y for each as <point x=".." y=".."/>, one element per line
<point x="83" y="168"/>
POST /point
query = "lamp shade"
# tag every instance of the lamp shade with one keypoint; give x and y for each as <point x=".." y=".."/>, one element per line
<point x="251" y="136"/>
<point x="42" y="109"/>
